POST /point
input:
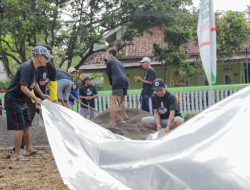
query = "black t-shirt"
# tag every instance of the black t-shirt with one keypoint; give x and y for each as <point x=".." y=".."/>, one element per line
<point x="44" y="76"/>
<point x="88" y="91"/>
<point x="25" y="75"/>
<point x="116" y="73"/>
<point x="150" y="76"/>
<point x="165" y="104"/>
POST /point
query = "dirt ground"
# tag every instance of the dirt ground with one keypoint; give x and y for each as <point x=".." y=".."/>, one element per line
<point x="40" y="172"/>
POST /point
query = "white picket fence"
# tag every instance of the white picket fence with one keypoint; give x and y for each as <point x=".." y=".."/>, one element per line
<point x="191" y="101"/>
<point x="188" y="101"/>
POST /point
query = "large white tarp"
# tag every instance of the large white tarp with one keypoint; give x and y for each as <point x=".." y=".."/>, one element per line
<point x="210" y="151"/>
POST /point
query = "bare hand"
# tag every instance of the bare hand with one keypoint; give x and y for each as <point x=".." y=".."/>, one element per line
<point x="137" y="78"/>
<point x="45" y="96"/>
<point x="38" y="107"/>
<point x="38" y="101"/>
<point x="167" y="130"/>
<point x="158" y="127"/>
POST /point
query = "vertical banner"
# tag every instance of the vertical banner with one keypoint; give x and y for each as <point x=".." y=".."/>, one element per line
<point x="206" y="32"/>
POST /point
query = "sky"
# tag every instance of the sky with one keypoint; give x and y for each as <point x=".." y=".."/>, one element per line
<point x="235" y="5"/>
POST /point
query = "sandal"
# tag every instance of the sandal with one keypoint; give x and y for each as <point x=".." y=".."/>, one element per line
<point x="112" y="124"/>
<point x="123" y="122"/>
<point x="32" y="153"/>
<point x="21" y="158"/>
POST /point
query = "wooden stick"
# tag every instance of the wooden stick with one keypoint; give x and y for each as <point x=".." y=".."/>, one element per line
<point x="93" y="109"/>
<point x="138" y="102"/>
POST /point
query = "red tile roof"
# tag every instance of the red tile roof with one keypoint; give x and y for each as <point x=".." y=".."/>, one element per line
<point x="143" y="46"/>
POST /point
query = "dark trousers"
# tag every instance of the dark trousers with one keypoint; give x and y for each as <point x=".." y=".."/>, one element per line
<point x="146" y="103"/>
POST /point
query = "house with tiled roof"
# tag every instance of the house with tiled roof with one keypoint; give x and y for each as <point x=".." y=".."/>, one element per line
<point x="232" y="71"/>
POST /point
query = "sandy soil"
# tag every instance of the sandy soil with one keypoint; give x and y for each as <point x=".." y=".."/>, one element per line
<point x="131" y="129"/>
<point x="40" y="172"/>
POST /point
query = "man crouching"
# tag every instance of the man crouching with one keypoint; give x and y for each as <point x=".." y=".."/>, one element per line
<point x="166" y="110"/>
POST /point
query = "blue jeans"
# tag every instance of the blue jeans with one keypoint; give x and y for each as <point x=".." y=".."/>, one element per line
<point x="146" y="103"/>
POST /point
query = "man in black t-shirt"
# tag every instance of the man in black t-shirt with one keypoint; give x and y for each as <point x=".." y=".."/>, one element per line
<point x="19" y="90"/>
<point x="88" y="94"/>
<point x="119" y="81"/>
<point x="166" y="109"/>
<point x="46" y="80"/>
<point x="147" y="88"/>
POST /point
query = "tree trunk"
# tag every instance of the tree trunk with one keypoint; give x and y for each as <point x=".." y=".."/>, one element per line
<point x="6" y="65"/>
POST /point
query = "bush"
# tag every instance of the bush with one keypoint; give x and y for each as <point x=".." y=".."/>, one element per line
<point x="4" y="85"/>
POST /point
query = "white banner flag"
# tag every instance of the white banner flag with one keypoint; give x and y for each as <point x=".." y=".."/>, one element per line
<point x="206" y="32"/>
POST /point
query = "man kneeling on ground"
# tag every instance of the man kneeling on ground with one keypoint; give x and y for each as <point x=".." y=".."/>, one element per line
<point x="166" y="110"/>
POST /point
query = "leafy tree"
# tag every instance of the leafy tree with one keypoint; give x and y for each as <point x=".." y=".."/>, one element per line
<point x="24" y="24"/>
<point x="31" y="22"/>
<point x="91" y="19"/>
<point x="233" y="30"/>
<point x="177" y="34"/>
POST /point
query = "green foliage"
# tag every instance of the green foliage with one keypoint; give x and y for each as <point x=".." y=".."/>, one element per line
<point x="25" y="23"/>
<point x="233" y="30"/>
<point x="177" y="35"/>
<point x="182" y="68"/>
<point x="4" y="84"/>
<point x="179" y="32"/>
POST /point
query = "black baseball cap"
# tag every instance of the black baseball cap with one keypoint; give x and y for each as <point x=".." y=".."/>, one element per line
<point x="87" y="78"/>
<point x="158" y="84"/>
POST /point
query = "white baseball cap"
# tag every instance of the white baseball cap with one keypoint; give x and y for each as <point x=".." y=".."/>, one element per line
<point x="71" y="69"/>
<point x="145" y="59"/>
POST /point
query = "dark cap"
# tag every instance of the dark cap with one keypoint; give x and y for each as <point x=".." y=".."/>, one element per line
<point x="158" y="84"/>
<point x="87" y="78"/>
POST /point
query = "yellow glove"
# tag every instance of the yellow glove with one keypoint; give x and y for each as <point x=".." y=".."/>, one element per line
<point x="53" y="90"/>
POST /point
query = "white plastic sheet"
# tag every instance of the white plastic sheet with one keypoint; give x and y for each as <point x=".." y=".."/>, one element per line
<point x="210" y="151"/>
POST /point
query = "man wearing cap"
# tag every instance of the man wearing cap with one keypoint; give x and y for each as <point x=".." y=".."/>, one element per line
<point x="64" y="85"/>
<point x="166" y="109"/>
<point x="88" y="94"/>
<point x="19" y="90"/>
<point x="147" y="88"/>
<point x="46" y="80"/>
<point x="118" y="79"/>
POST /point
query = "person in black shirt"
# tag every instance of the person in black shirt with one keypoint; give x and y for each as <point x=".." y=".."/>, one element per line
<point x="166" y="109"/>
<point x="87" y="95"/>
<point x="46" y="80"/>
<point x="118" y="79"/>
<point x="147" y="88"/>
<point x="19" y="90"/>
